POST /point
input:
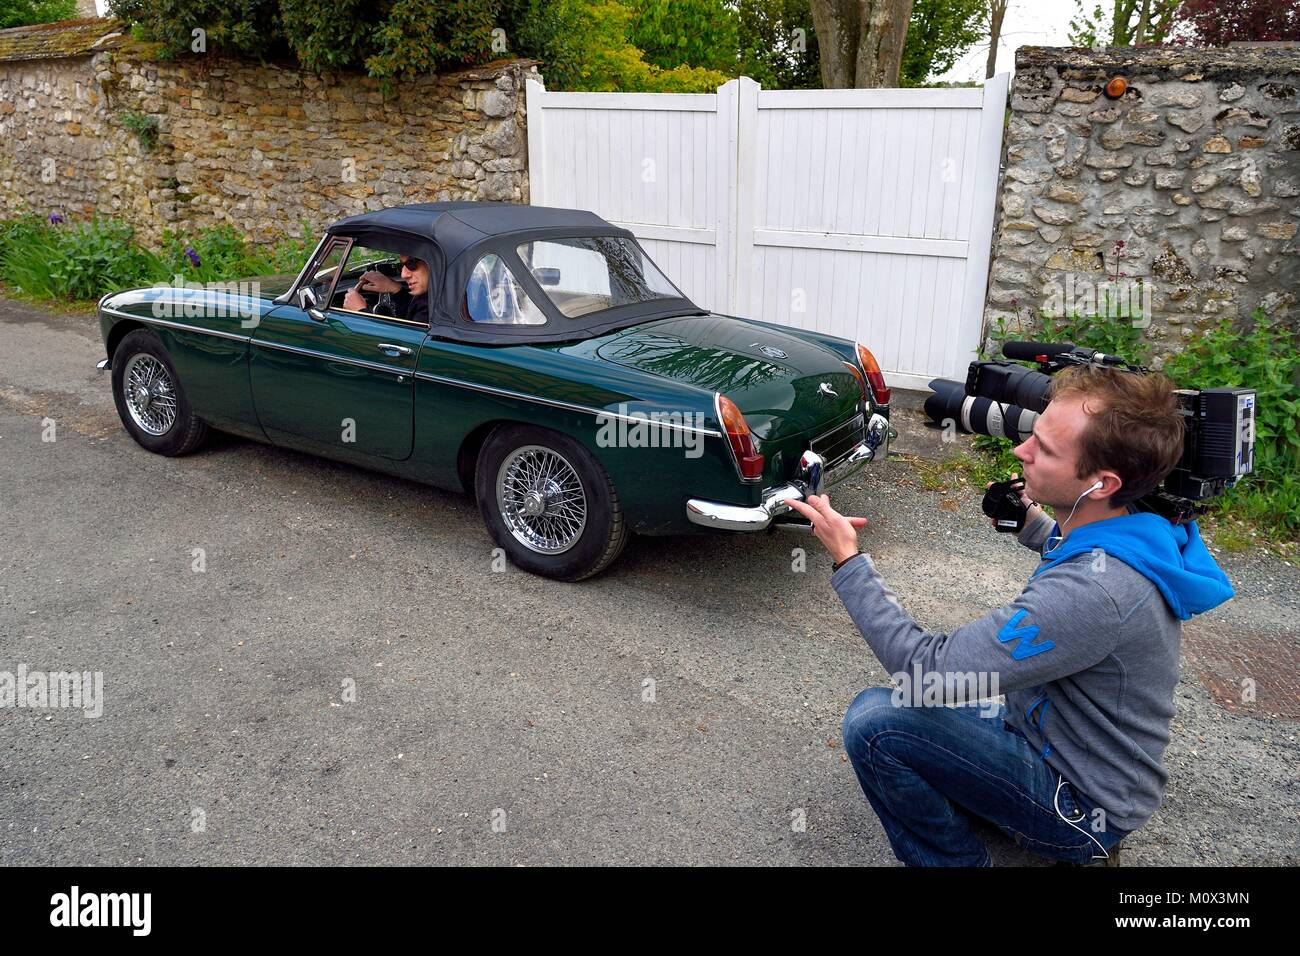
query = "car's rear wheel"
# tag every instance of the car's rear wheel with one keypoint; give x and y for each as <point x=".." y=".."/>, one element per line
<point x="548" y="503"/>
<point x="149" y="397"/>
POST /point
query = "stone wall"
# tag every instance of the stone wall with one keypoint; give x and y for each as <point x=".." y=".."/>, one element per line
<point x="1196" y="169"/>
<point x="259" y="147"/>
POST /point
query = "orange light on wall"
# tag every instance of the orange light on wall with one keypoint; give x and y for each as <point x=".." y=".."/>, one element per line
<point x="1116" y="87"/>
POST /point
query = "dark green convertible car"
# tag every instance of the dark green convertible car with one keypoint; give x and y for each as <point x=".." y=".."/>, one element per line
<point x="535" y="358"/>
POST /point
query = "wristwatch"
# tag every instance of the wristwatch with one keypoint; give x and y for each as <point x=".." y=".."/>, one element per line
<point x="839" y="564"/>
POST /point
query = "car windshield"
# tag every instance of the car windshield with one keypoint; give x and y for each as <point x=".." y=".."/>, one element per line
<point x="586" y="274"/>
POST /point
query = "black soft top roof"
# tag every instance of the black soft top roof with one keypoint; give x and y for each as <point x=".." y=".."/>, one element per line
<point x="455" y="226"/>
<point x="452" y="236"/>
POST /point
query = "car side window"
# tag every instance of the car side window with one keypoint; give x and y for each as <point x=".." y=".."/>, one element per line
<point x="387" y="301"/>
<point x="326" y="268"/>
<point x="494" y="296"/>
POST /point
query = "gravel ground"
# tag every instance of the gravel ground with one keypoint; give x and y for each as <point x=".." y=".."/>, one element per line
<point x="484" y="697"/>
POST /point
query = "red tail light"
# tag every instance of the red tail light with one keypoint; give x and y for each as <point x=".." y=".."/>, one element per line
<point x="741" y="440"/>
<point x="879" y="390"/>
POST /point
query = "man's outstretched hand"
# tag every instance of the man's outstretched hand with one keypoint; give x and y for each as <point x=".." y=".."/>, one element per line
<point x="837" y="532"/>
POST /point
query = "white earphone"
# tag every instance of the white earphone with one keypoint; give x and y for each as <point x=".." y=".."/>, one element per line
<point x="1047" y="545"/>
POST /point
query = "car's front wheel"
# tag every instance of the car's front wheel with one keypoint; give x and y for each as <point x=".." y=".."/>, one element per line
<point x="548" y="503"/>
<point x="149" y="397"/>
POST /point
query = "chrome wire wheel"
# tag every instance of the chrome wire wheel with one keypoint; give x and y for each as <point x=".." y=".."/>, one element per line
<point x="150" y="394"/>
<point x="540" y="499"/>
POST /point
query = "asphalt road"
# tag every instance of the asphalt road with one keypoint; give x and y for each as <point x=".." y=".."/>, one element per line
<point x="498" y="718"/>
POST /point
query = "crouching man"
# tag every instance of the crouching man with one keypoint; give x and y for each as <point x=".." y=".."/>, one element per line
<point x="1087" y="655"/>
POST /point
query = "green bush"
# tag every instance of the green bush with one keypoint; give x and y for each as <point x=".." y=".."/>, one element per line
<point x="81" y="262"/>
<point x="1260" y="354"/>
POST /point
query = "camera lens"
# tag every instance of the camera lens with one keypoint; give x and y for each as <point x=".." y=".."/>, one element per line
<point x="980" y="415"/>
<point x="1009" y="383"/>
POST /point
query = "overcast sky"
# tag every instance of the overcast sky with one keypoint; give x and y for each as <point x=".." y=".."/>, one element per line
<point x="1028" y="23"/>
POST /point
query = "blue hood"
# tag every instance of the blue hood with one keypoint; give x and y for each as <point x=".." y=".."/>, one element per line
<point x="1171" y="556"/>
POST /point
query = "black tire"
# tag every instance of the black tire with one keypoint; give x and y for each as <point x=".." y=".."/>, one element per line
<point x="185" y="431"/>
<point x="603" y="531"/>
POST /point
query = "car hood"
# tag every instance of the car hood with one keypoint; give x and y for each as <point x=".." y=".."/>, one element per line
<point x="270" y="287"/>
<point x="774" y="378"/>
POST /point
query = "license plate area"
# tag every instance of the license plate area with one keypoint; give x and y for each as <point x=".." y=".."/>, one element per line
<point x="835" y="444"/>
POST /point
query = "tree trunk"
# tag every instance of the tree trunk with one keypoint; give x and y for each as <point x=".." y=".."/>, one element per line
<point x="1144" y="18"/>
<point x="997" y="13"/>
<point x="1122" y="24"/>
<point x="861" y="41"/>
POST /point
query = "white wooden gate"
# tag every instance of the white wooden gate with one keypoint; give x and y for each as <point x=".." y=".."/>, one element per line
<point x="863" y="213"/>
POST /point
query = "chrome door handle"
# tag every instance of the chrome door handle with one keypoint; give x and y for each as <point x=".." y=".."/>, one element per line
<point x="394" y="350"/>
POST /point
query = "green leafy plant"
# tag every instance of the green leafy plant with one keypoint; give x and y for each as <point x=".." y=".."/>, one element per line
<point x="1262" y="354"/>
<point x="143" y="125"/>
<point x="81" y="261"/>
<point x="1114" y="335"/>
<point x="52" y="260"/>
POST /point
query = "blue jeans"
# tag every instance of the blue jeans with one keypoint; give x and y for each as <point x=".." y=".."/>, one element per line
<point x="928" y="770"/>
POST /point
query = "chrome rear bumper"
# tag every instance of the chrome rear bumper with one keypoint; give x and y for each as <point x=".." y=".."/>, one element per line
<point x="813" y="477"/>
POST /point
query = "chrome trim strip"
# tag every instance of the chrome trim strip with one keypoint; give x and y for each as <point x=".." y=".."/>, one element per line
<point x="567" y="406"/>
<point x="312" y="353"/>
<point x="168" y="323"/>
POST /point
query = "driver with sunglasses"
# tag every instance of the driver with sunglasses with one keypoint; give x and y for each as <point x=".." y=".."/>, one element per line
<point x="410" y="300"/>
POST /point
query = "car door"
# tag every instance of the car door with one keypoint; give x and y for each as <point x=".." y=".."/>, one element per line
<point x="332" y="379"/>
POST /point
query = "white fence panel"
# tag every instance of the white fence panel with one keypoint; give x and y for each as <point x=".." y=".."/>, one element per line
<point x="657" y="164"/>
<point x="863" y="213"/>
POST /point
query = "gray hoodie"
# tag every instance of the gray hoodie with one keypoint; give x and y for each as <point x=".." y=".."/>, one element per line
<point x="1087" y="655"/>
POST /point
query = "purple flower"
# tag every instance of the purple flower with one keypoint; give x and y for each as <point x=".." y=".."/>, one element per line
<point x="55" y="219"/>
<point x="193" y="256"/>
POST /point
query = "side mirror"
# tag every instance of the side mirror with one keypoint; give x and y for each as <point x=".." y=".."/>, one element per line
<point x="307" y="302"/>
<point x="548" y="276"/>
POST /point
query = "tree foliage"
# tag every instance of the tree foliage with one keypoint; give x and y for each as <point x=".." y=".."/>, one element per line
<point x="1123" y="22"/>
<point x="1220" y="22"/>
<point x="778" y="44"/>
<point x="240" y="27"/>
<point x="21" y="13"/>
<point x="940" y="31"/>
<point x="673" y="33"/>
<point x="583" y="44"/>
<point x="632" y="45"/>
<point x="589" y="45"/>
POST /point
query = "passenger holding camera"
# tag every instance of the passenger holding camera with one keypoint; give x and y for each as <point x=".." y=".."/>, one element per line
<point x="1087" y="655"/>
